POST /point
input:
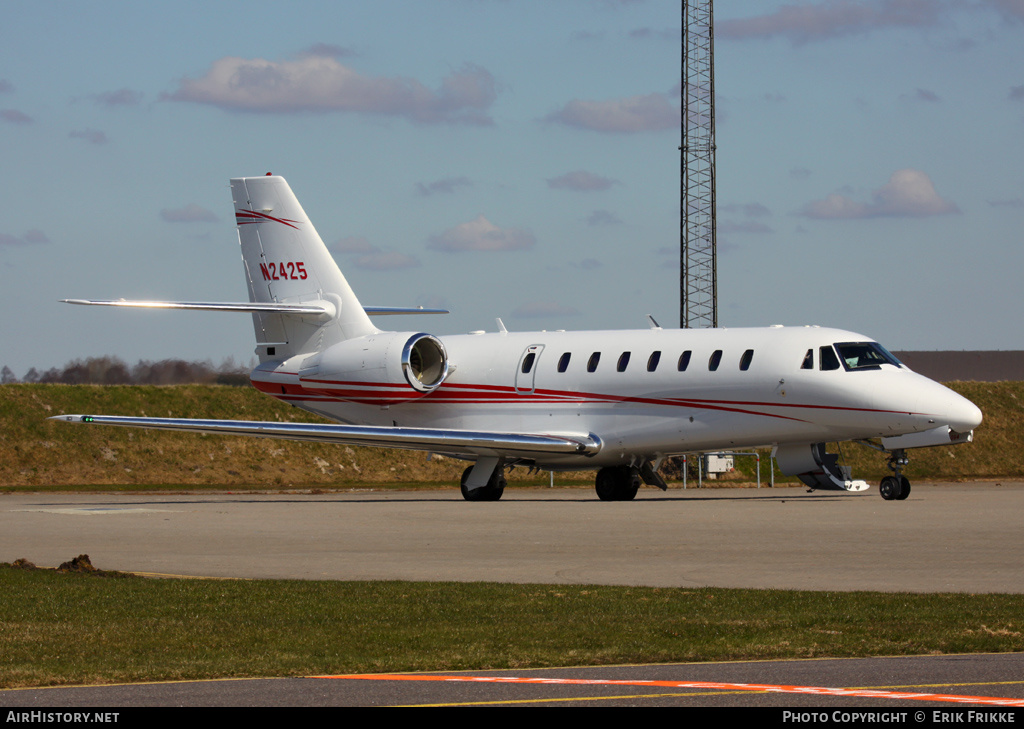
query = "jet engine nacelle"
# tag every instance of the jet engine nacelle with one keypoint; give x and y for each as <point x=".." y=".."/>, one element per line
<point x="386" y="367"/>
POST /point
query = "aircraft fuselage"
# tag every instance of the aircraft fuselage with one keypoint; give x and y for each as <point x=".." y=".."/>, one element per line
<point x="738" y="388"/>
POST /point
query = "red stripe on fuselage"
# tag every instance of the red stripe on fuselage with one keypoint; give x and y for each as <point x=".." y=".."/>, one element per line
<point x="384" y="393"/>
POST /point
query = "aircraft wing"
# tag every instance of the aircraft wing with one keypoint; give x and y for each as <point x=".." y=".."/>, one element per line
<point x="462" y="442"/>
<point x="312" y="307"/>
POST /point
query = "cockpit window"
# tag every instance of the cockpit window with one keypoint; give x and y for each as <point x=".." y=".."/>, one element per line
<point x="865" y="355"/>
<point x="827" y="359"/>
<point x="808" y="363"/>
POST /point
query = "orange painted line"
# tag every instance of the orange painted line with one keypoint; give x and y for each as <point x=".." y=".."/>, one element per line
<point x="768" y="688"/>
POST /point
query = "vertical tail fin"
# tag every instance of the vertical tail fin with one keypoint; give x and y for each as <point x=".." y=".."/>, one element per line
<point x="287" y="262"/>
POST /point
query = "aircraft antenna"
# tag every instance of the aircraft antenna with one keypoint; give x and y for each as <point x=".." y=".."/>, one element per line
<point x="698" y="269"/>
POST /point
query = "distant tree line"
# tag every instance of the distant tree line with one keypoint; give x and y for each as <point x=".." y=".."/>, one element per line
<point x="114" y="371"/>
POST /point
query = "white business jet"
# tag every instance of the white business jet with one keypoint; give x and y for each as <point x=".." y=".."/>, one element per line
<point x="616" y="401"/>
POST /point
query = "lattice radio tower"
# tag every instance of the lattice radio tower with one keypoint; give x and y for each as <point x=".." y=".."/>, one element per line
<point x="698" y="274"/>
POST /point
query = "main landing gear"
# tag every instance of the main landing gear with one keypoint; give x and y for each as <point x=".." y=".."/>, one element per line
<point x="617" y="483"/>
<point x="897" y="486"/>
<point x="492" y="491"/>
<point x="620" y="483"/>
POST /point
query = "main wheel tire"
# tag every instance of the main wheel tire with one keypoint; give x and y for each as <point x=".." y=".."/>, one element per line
<point x="904" y="488"/>
<point x="617" y="483"/>
<point x="604" y="484"/>
<point x="889" y="488"/>
<point x="491" y="492"/>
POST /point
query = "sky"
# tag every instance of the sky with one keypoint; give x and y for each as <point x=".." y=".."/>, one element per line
<point x="511" y="158"/>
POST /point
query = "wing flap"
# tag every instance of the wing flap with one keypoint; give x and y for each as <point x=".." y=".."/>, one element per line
<point x="467" y="442"/>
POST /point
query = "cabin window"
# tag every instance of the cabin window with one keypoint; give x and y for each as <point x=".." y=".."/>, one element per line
<point x="746" y="359"/>
<point x="808" y="360"/>
<point x="623" y="362"/>
<point x="592" y="362"/>
<point x="563" y="362"/>
<point x="684" y="361"/>
<point x="716" y="359"/>
<point x="828" y="359"/>
<point x="528" y="362"/>
<point x="652" y="361"/>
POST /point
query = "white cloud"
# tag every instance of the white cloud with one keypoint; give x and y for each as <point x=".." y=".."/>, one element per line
<point x="481" y="235"/>
<point x="121" y="97"/>
<point x="651" y="112"/>
<point x="319" y="83"/>
<point x="32" y="237"/>
<point x="190" y="213"/>
<point x="448" y="185"/>
<point x="580" y="181"/>
<point x="371" y="258"/>
<point x="16" y="117"/>
<point x="1011" y="10"/>
<point x="908" y="193"/>
<point x="922" y="95"/>
<point x="832" y="19"/>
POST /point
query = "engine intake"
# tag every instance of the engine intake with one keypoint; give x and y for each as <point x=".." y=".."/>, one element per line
<point x="424" y="362"/>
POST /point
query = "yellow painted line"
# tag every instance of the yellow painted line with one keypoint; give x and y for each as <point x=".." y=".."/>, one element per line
<point x="946" y="685"/>
<point x="577" y="698"/>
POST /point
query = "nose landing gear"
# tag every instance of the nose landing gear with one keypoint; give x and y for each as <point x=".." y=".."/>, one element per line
<point x="897" y="486"/>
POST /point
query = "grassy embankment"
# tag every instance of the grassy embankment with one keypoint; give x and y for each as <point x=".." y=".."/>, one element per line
<point x="75" y="629"/>
<point x="39" y="453"/>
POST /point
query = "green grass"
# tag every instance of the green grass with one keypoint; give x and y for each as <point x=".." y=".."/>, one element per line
<point x="76" y="629"/>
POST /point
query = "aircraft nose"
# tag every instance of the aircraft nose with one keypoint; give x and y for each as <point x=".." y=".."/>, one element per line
<point x="963" y="415"/>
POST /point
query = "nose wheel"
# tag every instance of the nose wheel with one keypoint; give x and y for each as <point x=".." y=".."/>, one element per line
<point x="897" y="486"/>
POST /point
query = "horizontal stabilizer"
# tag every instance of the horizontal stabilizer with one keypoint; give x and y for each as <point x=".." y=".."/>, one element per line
<point x="392" y="310"/>
<point x="466" y="442"/>
<point x="313" y="307"/>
